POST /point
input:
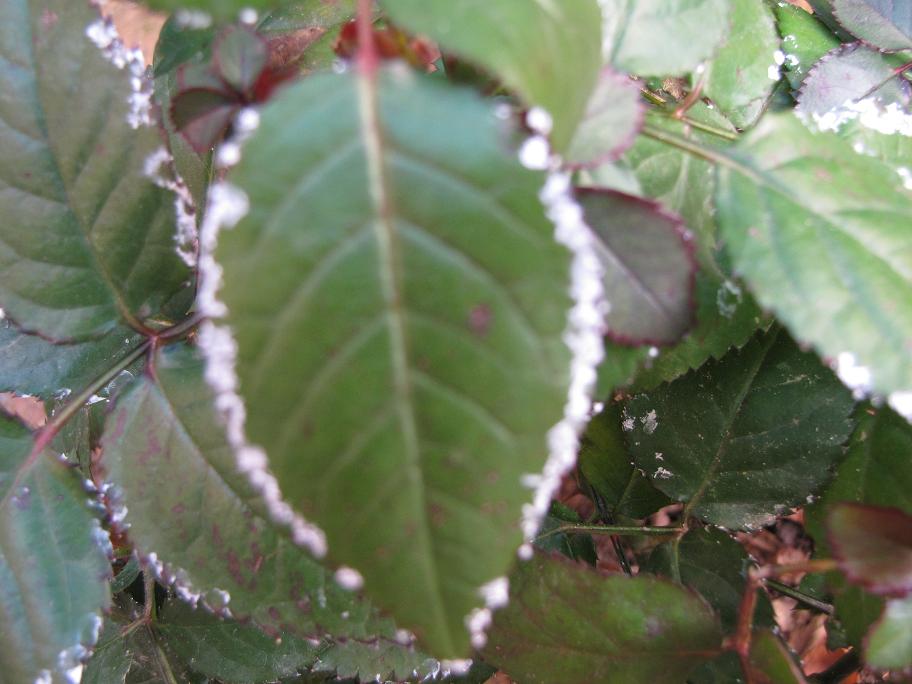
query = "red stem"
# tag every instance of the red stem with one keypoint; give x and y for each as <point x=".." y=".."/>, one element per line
<point x="367" y="50"/>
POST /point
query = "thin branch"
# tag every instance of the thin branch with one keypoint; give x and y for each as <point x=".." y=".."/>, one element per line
<point x="800" y="596"/>
<point x="618" y="530"/>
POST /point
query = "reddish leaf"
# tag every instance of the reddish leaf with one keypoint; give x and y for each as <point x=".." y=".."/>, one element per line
<point x="873" y="546"/>
<point x="202" y="116"/>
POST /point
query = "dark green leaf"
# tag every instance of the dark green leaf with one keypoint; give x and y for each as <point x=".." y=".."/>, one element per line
<point x="772" y="661"/>
<point x="877" y="469"/>
<point x="743" y="438"/>
<point x="32" y="365"/>
<point x="663" y="39"/>
<point x="873" y="546"/>
<point x="550" y="52"/>
<point x="856" y="610"/>
<point x="820" y="233"/>
<point x="612" y="120"/>
<point x="607" y="465"/>
<point x="740" y="78"/>
<point x="889" y="644"/>
<point x="87" y="239"/>
<point x="111" y="661"/>
<point x="647" y="257"/>
<point x="179" y="44"/>
<point x="205" y="525"/>
<point x="886" y="24"/>
<point x="805" y="39"/>
<point x="714" y="565"/>
<point x="126" y="576"/>
<point x="228" y="651"/>
<point x="727" y="317"/>
<point x="53" y="563"/>
<point x="433" y="298"/>
<point x="573" y="545"/>
<point x="590" y="628"/>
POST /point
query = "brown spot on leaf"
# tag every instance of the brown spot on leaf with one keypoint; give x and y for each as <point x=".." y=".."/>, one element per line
<point x="288" y="48"/>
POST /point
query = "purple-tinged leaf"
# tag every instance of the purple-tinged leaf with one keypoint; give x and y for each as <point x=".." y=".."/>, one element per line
<point x="885" y="24"/>
<point x="612" y="120"/>
<point x="649" y="265"/>
<point x="873" y="546"/>
<point x="836" y="85"/>
<point x="202" y="116"/>
<point x="240" y="57"/>
<point x="566" y="623"/>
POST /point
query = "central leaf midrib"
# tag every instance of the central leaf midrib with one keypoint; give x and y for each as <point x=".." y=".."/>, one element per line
<point x="390" y="280"/>
<point x="738" y="406"/>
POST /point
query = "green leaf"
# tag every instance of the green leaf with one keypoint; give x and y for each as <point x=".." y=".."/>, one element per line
<point x="87" y="239"/>
<point x="882" y="23"/>
<point x="727" y="317"/>
<point x="844" y="77"/>
<point x="588" y="627"/>
<point x="820" y="233"/>
<point x="805" y="39"/>
<point x="32" y="365"/>
<point x="432" y="297"/>
<point x="738" y="79"/>
<point x="228" y="651"/>
<point x="743" y="438"/>
<point x="606" y="464"/>
<point x="549" y="52"/>
<point x="889" y="644"/>
<point x="53" y="563"/>
<point x="219" y="9"/>
<point x="684" y="183"/>
<point x="647" y="257"/>
<point x="663" y="39"/>
<point x="856" y="610"/>
<point x="873" y="546"/>
<point x="881" y="449"/>
<point x="111" y="661"/>
<point x="612" y="120"/>
<point x="302" y="32"/>
<point x="714" y="565"/>
<point x="772" y="661"/>
<point x="206" y="525"/>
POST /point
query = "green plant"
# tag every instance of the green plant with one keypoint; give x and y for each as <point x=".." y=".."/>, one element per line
<point x="318" y="304"/>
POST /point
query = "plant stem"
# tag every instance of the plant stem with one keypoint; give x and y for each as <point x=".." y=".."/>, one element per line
<point x="821" y="565"/>
<point x="149" y="613"/>
<point x="617" y="530"/>
<point x="800" y="596"/>
<point x="745" y="628"/>
<point x="59" y="419"/>
<point x="181" y="329"/>
<point x="685" y="145"/>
